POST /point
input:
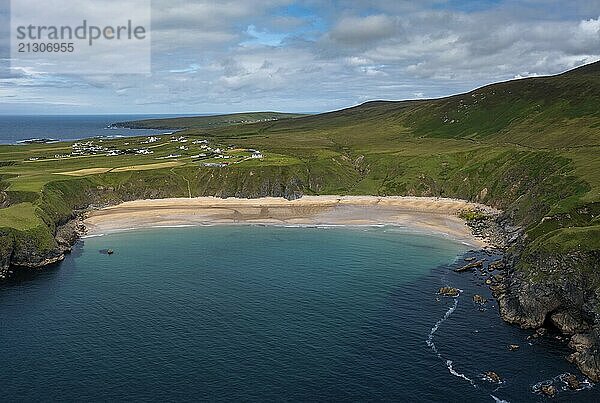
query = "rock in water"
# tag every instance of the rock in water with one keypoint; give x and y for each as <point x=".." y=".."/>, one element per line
<point x="449" y="292"/>
<point x="479" y="299"/>
<point x="470" y="266"/>
<point x="513" y="347"/>
<point x="492" y="377"/>
<point x="572" y="382"/>
<point x="496" y="265"/>
<point x="548" y="390"/>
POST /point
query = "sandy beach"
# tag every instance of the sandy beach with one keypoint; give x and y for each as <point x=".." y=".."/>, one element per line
<point x="431" y="215"/>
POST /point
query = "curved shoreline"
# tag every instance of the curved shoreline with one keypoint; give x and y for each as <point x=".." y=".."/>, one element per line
<point x="437" y="216"/>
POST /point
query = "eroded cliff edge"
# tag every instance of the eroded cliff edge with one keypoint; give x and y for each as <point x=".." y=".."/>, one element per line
<point x="556" y="293"/>
<point x="549" y="290"/>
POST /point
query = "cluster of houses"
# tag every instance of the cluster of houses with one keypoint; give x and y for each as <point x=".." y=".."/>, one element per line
<point x="87" y="148"/>
<point x="91" y="148"/>
<point x="95" y="147"/>
<point x="255" y="155"/>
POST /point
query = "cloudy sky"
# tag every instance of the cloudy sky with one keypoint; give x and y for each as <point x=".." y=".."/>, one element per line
<point x="317" y="55"/>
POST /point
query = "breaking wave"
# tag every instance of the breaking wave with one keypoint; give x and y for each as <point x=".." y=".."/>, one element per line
<point x="431" y="344"/>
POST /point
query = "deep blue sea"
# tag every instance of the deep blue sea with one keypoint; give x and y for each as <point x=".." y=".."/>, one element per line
<point x="68" y="127"/>
<point x="248" y="313"/>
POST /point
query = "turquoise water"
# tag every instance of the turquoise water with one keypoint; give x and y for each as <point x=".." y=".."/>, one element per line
<point x="262" y="314"/>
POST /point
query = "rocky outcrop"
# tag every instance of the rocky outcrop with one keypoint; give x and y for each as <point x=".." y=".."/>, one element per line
<point x="6" y="251"/>
<point x="572" y="382"/>
<point x="558" y="292"/>
<point x="69" y="233"/>
<point x="587" y="353"/>
<point x="527" y="304"/>
<point x="470" y="266"/>
<point x="551" y="290"/>
<point x="25" y="252"/>
<point x="449" y="292"/>
<point x="492" y="377"/>
<point x="569" y="322"/>
<point x="548" y="390"/>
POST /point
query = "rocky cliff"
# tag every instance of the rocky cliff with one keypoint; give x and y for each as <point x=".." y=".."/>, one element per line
<point x="557" y="291"/>
<point x="25" y="251"/>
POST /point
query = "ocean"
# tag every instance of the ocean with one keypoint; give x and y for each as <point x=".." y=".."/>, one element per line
<point x="15" y="128"/>
<point x="253" y="313"/>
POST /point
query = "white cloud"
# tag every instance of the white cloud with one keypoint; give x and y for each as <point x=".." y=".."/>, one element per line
<point x="362" y="30"/>
<point x="248" y="55"/>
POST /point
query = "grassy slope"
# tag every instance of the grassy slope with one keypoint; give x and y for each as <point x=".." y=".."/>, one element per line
<point x="527" y="146"/>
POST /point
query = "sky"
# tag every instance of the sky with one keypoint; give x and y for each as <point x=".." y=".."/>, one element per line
<point x="316" y="55"/>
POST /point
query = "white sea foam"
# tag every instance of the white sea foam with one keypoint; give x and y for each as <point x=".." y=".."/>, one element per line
<point x="365" y="227"/>
<point x="431" y="344"/>
<point x="498" y="400"/>
<point x="92" y="236"/>
<point x="174" y="226"/>
<point x="458" y="374"/>
<point x="435" y="328"/>
<point x="559" y="381"/>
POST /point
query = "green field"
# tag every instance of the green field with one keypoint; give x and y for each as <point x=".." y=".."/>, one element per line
<point x="530" y="147"/>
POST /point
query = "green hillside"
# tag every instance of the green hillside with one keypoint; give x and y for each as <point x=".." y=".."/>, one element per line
<point x="207" y="122"/>
<point x="530" y="147"/>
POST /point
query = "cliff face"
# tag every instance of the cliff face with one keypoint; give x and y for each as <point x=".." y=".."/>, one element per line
<point x="558" y="291"/>
<point x="25" y="251"/>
